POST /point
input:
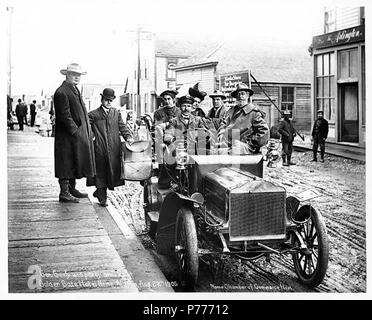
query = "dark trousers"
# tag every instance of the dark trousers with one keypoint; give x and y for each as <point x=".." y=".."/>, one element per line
<point x="33" y="115"/>
<point x="20" y="122"/>
<point x="318" y="141"/>
<point x="287" y="147"/>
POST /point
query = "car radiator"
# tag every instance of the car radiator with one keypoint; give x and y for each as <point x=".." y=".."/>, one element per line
<point x="254" y="208"/>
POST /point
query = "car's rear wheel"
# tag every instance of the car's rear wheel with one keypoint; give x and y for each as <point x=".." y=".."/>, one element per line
<point x="186" y="248"/>
<point x="311" y="261"/>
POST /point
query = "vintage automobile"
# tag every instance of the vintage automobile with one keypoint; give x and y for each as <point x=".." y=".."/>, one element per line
<point x="220" y="204"/>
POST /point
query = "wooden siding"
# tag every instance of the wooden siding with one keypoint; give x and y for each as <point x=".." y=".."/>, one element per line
<point x="347" y="17"/>
<point x="302" y="108"/>
<point x="206" y="77"/>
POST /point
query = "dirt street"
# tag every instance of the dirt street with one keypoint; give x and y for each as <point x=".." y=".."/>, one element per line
<point x="341" y="183"/>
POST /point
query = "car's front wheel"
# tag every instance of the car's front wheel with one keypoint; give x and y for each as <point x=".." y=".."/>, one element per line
<point x="311" y="259"/>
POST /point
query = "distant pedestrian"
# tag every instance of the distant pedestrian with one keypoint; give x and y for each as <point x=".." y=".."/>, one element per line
<point x="319" y="136"/>
<point x="107" y="126"/>
<point x="21" y="113"/>
<point x="73" y="143"/>
<point x="288" y="133"/>
<point x="33" y="112"/>
<point x="198" y="96"/>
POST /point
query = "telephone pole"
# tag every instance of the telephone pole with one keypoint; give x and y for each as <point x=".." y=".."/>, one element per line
<point x="10" y="9"/>
<point x="138" y="72"/>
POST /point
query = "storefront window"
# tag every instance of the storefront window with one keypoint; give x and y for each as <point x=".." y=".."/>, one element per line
<point x="325" y="84"/>
<point x="353" y="64"/>
<point x="348" y="64"/>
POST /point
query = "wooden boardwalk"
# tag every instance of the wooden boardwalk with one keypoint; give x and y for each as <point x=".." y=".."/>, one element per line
<point x="53" y="246"/>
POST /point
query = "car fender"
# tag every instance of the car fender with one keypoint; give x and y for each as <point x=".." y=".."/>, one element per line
<point x="165" y="234"/>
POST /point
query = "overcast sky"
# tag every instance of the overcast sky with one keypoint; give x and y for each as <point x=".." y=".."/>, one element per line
<point x="48" y="35"/>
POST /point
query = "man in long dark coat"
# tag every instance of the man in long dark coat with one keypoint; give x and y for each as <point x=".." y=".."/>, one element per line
<point x="107" y="125"/>
<point x="73" y="147"/>
<point x="21" y="113"/>
<point x="33" y="112"/>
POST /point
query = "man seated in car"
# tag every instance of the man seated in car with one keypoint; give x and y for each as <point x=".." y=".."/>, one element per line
<point x="182" y="129"/>
<point x="244" y="129"/>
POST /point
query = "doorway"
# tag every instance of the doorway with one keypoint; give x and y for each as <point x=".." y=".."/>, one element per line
<point x="349" y="112"/>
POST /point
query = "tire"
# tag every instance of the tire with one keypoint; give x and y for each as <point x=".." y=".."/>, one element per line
<point x="311" y="264"/>
<point x="147" y="197"/>
<point x="186" y="244"/>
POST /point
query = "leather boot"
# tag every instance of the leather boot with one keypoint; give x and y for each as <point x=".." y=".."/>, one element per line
<point x="65" y="195"/>
<point x="290" y="162"/>
<point x="284" y="158"/>
<point x="101" y="195"/>
<point x="76" y="193"/>
<point x="314" y="159"/>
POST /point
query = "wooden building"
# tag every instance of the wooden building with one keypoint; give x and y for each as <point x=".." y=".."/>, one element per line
<point x="339" y="76"/>
<point x="287" y="95"/>
<point x="285" y="76"/>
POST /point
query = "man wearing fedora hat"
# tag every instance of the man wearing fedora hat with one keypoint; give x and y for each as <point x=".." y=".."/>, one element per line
<point x="170" y="110"/>
<point x="319" y="136"/>
<point x="198" y="96"/>
<point x="243" y="128"/>
<point x="107" y="126"/>
<point x="218" y="110"/>
<point x="73" y="144"/>
<point x="287" y="133"/>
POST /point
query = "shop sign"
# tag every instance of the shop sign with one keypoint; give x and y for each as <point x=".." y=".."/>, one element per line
<point x="230" y="81"/>
<point x="345" y="36"/>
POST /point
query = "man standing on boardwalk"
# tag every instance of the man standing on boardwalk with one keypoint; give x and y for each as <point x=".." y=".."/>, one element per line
<point x="33" y="112"/>
<point x="319" y="136"/>
<point x="73" y="147"/>
<point x="107" y="126"/>
<point x="20" y="113"/>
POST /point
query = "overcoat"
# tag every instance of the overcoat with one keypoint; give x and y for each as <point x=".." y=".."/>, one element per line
<point x="286" y="130"/>
<point x="164" y="114"/>
<point x="247" y="124"/>
<point x="107" y="128"/>
<point x="320" y="128"/>
<point x="73" y="143"/>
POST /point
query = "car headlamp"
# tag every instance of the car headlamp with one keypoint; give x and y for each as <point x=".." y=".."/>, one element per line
<point x="182" y="156"/>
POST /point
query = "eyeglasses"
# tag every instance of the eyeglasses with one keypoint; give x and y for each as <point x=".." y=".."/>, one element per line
<point x="108" y="100"/>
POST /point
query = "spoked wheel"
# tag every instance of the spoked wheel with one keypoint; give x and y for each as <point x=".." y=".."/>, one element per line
<point x="186" y="247"/>
<point x="311" y="259"/>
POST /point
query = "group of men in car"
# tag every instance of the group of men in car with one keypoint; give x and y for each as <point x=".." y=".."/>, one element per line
<point x="241" y="129"/>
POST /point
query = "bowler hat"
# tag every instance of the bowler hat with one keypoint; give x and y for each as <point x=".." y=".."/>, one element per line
<point x="73" y="67"/>
<point x="169" y="92"/>
<point x="217" y="94"/>
<point x="196" y="92"/>
<point x="320" y="111"/>
<point x="108" y="94"/>
<point x="241" y="87"/>
<point x="185" y="99"/>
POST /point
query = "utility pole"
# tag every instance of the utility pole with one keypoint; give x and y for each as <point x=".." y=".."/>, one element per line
<point x="10" y="9"/>
<point x="138" y="72"/>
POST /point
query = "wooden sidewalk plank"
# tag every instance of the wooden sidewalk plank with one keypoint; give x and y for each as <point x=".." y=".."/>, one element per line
<point x="66" y="238"/>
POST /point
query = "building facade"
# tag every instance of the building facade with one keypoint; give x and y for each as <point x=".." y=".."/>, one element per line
<point x="339" y="80"/>
<point x="291" y="96"/>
